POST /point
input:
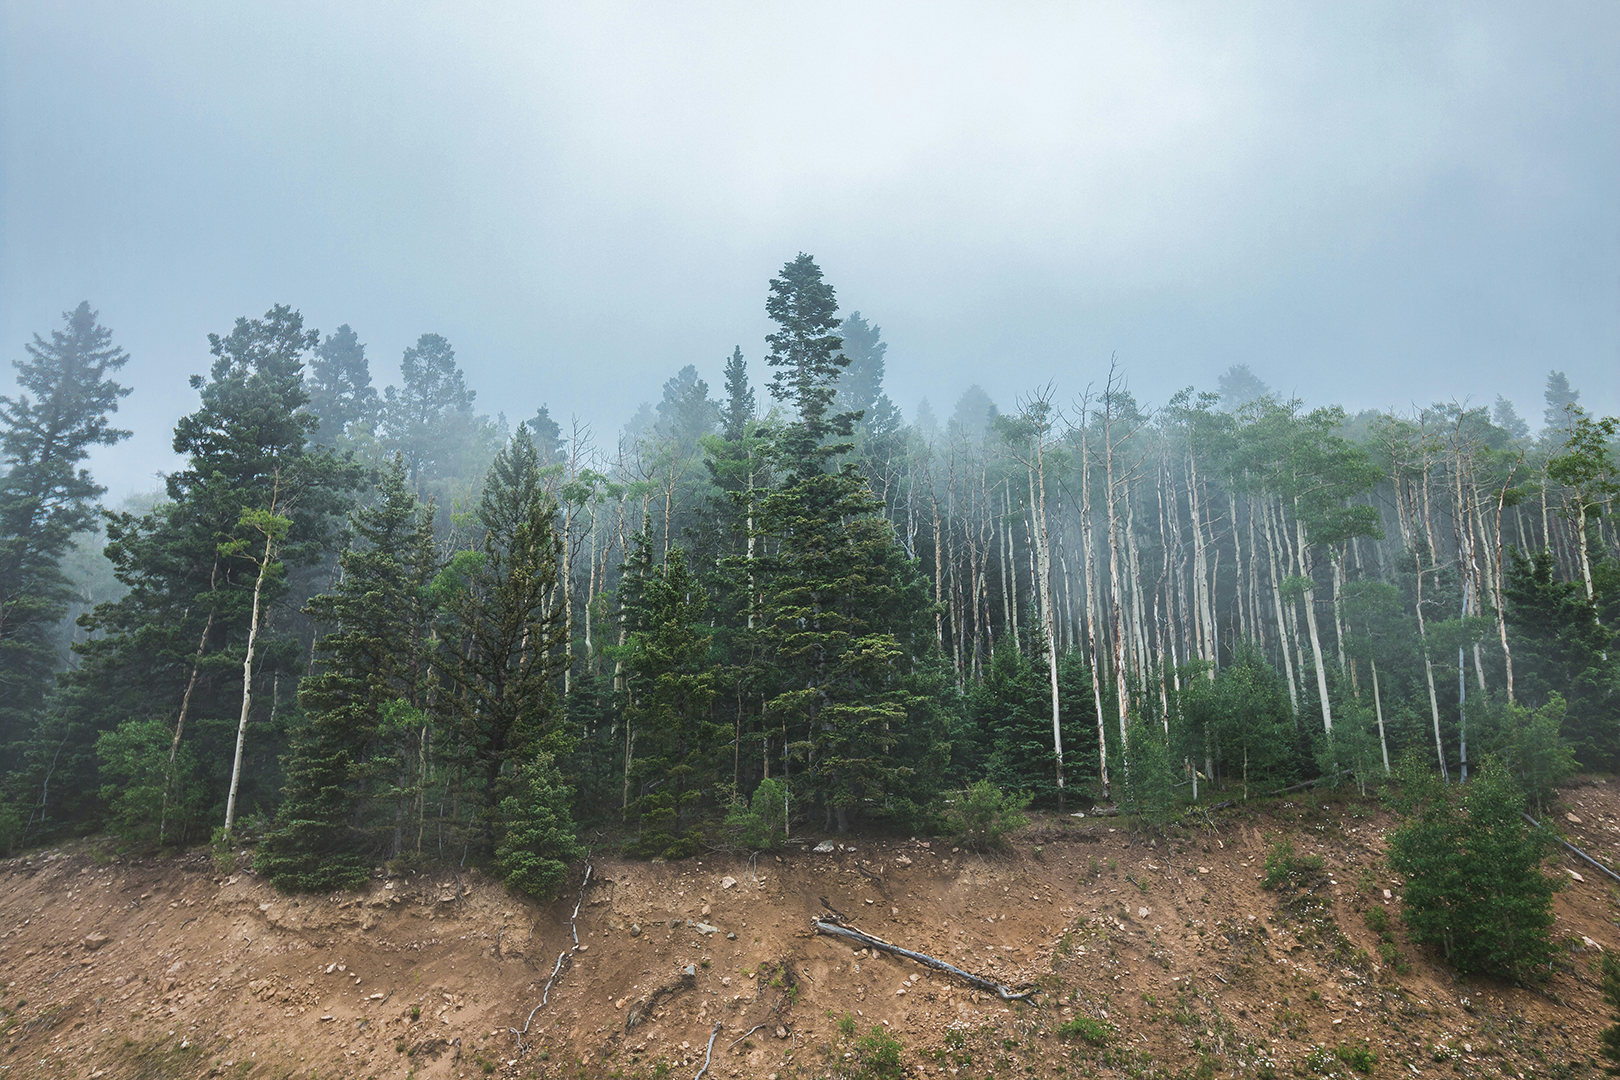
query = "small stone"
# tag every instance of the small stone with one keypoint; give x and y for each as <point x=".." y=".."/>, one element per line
<point x="376" y="997"/>
<point x="826" y="847"/>
<point x="731" y="936"/>
<point x="781" y="1032"/>
<point x="900" y="992"/>
<point x="1573" y="874"/>
<point x="584" y="948"/>
<point x="1388" y="894"/>
<point x="690" y="971"/>
<point x="95" y="939"/>
<point x="619" y="1004"/>
<point x="705" y="928"/>
<point x="635" y="929"/>
<point x="727" y="882"/>
<point x="1142" y="912"/>
<point x="1572" y="819"/>
<point x="705" y="910"/>
<point x="327" y="1019"/>
<point x="901" y="860"/>
<point x="1203" y="869"/>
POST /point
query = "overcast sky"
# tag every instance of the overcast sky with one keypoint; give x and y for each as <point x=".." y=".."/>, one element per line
<point x="1371" y="204"/>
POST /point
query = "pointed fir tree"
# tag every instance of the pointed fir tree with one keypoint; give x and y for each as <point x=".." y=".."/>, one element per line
<point x="508" y="635"/>
<point x="671" y="691"/>
<point x="352" y="772"/>
<point x="841" y="608"/>
<point x="45" y="497"/>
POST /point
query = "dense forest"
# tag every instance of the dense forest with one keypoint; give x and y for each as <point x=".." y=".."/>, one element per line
<point x="364" y="626"/>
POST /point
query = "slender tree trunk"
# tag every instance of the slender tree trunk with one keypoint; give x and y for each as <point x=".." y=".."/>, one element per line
<point x="1310" y="625"/>
<point x="247" y="684"/>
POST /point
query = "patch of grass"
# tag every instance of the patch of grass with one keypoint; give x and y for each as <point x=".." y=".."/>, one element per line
<point x="1377" y="919"/>
<point x="1284" y="866"/>
<point x="878" y="1057"/>
<point x="846" y="1025"/>
<point x="1095" y="1032"/>
<point x="1360" y="1058"/>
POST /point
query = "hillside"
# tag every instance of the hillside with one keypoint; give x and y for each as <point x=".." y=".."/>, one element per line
<point x="119" y="967"/>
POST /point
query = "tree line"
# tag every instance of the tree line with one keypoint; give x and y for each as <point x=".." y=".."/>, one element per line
<point x="365" y="626"/>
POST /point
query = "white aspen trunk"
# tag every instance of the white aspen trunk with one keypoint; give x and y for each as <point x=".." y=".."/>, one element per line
<point x="247" y="684"/>
<point x="1091" y="606"/>
<point x="1276" y="599"/>
<point x="1378" y="709"/>
<point x="1044" y="562"/>
<point x="1310" y="625"/>
<point x="1121" y="687"/>
<point x="1501" y="618"/>
<point x="1428" y="675"/>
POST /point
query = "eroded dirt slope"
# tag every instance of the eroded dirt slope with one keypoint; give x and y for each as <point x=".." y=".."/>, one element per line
<point x="1164" y="956"/>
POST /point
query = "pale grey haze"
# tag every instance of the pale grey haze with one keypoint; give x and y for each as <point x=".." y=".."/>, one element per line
<point x="1376" y="204"/>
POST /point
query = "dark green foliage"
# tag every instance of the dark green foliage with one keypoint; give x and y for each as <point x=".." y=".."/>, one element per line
<point x="353" y="775"/>
<point x="983" y="817"/>
<point x="1242" y="719"/>
<point x="536" y="840"/>
<point x="671" y="688"/>
<point x="760" y="824"/>
<point x="1473" y="879"/>
<point x="1561" y="647"/>
<point x="45" y="497"/>
<point x="1147" y="778"/>
<point x="508" y="631"/>
<point x="839" y="601"/>
<point x="1010" y="711"/>
<point x="149" y="799"/>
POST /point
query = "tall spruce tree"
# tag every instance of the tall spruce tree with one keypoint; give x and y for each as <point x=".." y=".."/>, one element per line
<point x="430" y="417"/>
<point x="509" y="634"/>
<point x="355" y="772"/>
<point x="840" y="605"/>
<point x="45" y="497"/>
<point x="671" y="690"/>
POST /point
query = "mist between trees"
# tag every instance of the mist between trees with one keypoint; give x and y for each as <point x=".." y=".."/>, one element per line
<point x="360" y="627"/>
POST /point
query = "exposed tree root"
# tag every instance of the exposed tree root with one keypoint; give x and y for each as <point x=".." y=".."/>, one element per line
<point x="978" y="982"/>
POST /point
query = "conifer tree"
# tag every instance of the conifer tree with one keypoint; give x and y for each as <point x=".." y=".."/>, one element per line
<point x="340" y="390"/>
<point x="509" y="636"/>
<point x="353" y="769"/>
<point x="841" y="604"/>
<point x="671" y="688"/>
<point x="45" y="498"/>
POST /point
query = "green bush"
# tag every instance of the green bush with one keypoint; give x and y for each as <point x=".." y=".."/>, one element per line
<point x="1474" y="884"/>
<point x="1284" y="866"/>
<point x="877" y="1057"/>
<point x="1095" y="1032"/>
<point x="1148" y="786"/>
<point x="1360" y="1058"/>
<point x="983" y="816"/>
<point x="761" y="823"/>
<point x="150" y="800"/>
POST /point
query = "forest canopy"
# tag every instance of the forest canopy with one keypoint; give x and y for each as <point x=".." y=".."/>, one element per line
<point x="364" y="625"/>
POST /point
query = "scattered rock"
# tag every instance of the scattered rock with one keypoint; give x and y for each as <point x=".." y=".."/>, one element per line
<point x="901" y="860"/>
<point x="731" y="936"/>
<point x="705" y="928"/>
<point x="95" y="939"/>
<point x="1203" y="869"/>
<point x="826" y="847"/>
<point x="781" y="1032"/>
<point x="705" y="910"/>
<point x="1571" y="818"/>
<point x="727" y="882"/>
<point x="1573" y="874"/>
<point x="635" y="929"/>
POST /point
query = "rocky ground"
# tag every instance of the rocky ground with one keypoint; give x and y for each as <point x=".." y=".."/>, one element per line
<point x="1154" y="955"/>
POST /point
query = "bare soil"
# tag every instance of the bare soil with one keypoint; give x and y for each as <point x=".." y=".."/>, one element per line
<point x="1164" y="950"/>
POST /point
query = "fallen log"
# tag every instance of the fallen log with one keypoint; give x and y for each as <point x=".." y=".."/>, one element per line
<point x="1006" y="993"/>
